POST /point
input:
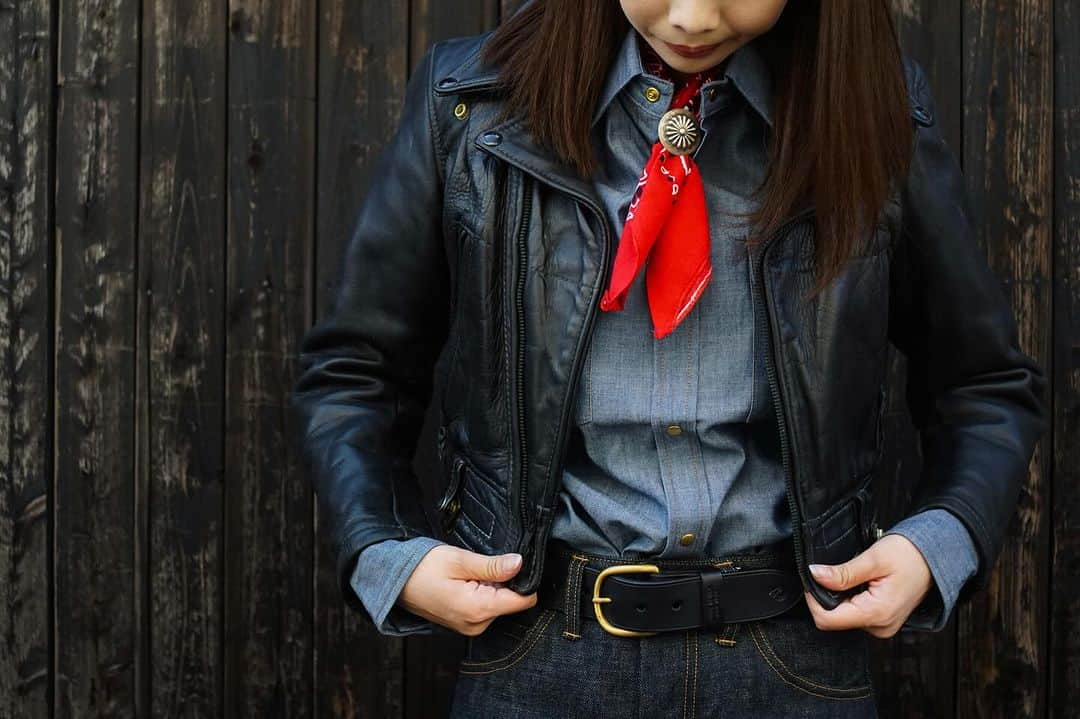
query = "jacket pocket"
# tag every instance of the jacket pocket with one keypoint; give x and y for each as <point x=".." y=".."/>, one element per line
<point x="467" y="506"/>
<point x="845" y="529"/>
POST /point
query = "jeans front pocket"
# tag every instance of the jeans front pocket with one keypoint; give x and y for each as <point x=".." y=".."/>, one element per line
<point x="506" y="641"/>
<point x="832" y="664"/>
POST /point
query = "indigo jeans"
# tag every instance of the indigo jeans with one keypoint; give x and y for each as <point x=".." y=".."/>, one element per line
<point x="543" y="664"/>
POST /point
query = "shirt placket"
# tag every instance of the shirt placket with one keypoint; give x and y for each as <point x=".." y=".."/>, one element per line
<point x="674" y="396"/>
<point x="678" y="445"/>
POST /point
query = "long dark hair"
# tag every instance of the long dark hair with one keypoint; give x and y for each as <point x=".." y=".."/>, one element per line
<point x="842" y="129"/>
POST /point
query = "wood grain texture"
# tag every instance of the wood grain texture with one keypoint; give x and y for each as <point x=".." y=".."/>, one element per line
<point x="271" y="192"/>
<point x="26" y="111"/>
<point x="181" y="337"/>
<point x="1008" y="151"/>
<point x="1064" y="597"/>
<point x="96" y="577"/>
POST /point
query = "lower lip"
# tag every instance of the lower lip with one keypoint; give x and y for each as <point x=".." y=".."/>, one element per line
<point x="684" y="51"/>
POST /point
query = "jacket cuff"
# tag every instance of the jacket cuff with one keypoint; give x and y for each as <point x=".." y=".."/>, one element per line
<point x="382" y="569"/>
<point x="950" y="553"/>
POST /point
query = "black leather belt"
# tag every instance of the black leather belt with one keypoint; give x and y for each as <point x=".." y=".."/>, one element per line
<point x="643" y="597"/>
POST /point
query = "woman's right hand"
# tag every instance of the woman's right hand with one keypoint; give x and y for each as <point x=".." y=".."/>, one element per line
<point x="463" y="590"/>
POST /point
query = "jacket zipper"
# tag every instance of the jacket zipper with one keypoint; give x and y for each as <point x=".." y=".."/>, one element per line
<point x="519" y="307"/>
<point x="528" y="175"/>
<point x="590" y="315"/>
<point x="766" y="324"/>
<point x="575" y="370"/>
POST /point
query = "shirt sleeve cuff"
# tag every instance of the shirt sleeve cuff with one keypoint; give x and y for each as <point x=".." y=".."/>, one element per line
<point x="950" y="553"/>
<point x="381" y="571"/>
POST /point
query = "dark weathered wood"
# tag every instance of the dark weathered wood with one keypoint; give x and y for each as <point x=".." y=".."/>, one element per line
<point x="26" y="110"/>
<point x="1008" y="146"/>
<point x="363" y="66"/>
<point x="271" y="191"/>
<point x="182" y="338"/>
<point x="1064" y="596"/>
<point x="97" y="578"/>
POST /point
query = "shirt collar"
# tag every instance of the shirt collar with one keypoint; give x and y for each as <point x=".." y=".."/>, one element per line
<point x="746" y="68"/>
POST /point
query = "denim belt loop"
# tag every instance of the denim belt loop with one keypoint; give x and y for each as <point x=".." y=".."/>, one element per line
<point x="572" y="607"/>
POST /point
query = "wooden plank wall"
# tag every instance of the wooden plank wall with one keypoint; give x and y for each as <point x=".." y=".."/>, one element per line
<point x="176" y="184"/>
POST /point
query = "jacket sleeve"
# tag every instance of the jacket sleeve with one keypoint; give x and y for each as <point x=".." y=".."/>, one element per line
<point x="976" y="399"/>
<point x="364" y="370"/>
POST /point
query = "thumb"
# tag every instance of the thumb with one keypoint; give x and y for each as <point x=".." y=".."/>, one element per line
<point x="860" y="568"/>
<point x="492" y="568"/>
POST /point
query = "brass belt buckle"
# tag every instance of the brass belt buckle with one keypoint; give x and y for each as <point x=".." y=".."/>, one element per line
<point x="598" y="600"/>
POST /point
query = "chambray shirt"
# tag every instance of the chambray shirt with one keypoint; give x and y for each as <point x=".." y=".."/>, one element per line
<point x="674" y="450"/>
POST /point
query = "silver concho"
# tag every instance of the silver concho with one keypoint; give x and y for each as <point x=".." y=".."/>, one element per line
<point x="678" y="131"/>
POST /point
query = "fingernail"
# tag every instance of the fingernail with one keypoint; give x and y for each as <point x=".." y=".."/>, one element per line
<point x="509" y="562"/>
<point x="819" y="570"/>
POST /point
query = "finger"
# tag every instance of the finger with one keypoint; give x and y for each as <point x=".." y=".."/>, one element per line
<point x="507" y="601"/>
<point x="859" y="611"/>
<point x="483" y="602"/>
<point x="490" y="568"/>
<point x="861" y="568"/>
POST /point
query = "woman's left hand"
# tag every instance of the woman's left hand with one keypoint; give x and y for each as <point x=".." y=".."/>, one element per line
<point x="898" y="578"/>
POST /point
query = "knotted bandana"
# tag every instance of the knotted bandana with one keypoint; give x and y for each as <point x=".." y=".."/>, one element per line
<point x="667" y="222"/>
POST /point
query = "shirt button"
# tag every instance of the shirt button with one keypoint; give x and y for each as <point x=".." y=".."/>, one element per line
<point x="674" y="430"/>
<point x="686" y="539"/>
<point x="652" y="94"/>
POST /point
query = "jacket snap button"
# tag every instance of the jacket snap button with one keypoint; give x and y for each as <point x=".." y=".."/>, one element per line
<point x="674" y="430"/>
<point x="652" y="94"/>
<point x="461" y="111"/>
<point x="686" y="539"/>
<point x="491" y="138"/>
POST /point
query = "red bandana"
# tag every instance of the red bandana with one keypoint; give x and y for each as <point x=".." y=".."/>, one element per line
<point x="667" y="222"/>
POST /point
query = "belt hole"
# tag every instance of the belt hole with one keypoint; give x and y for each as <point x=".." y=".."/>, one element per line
<point x="676" y="605"/>
<point x="640" y="608"/>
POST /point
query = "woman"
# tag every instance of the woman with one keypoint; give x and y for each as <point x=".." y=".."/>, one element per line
<point x="629" y="243"/>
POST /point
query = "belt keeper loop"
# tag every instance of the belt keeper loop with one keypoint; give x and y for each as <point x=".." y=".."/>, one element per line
<point x="572" y="608"/>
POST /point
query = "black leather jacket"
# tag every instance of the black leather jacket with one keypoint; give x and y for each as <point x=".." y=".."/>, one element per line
<point x="472" y="279"/>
